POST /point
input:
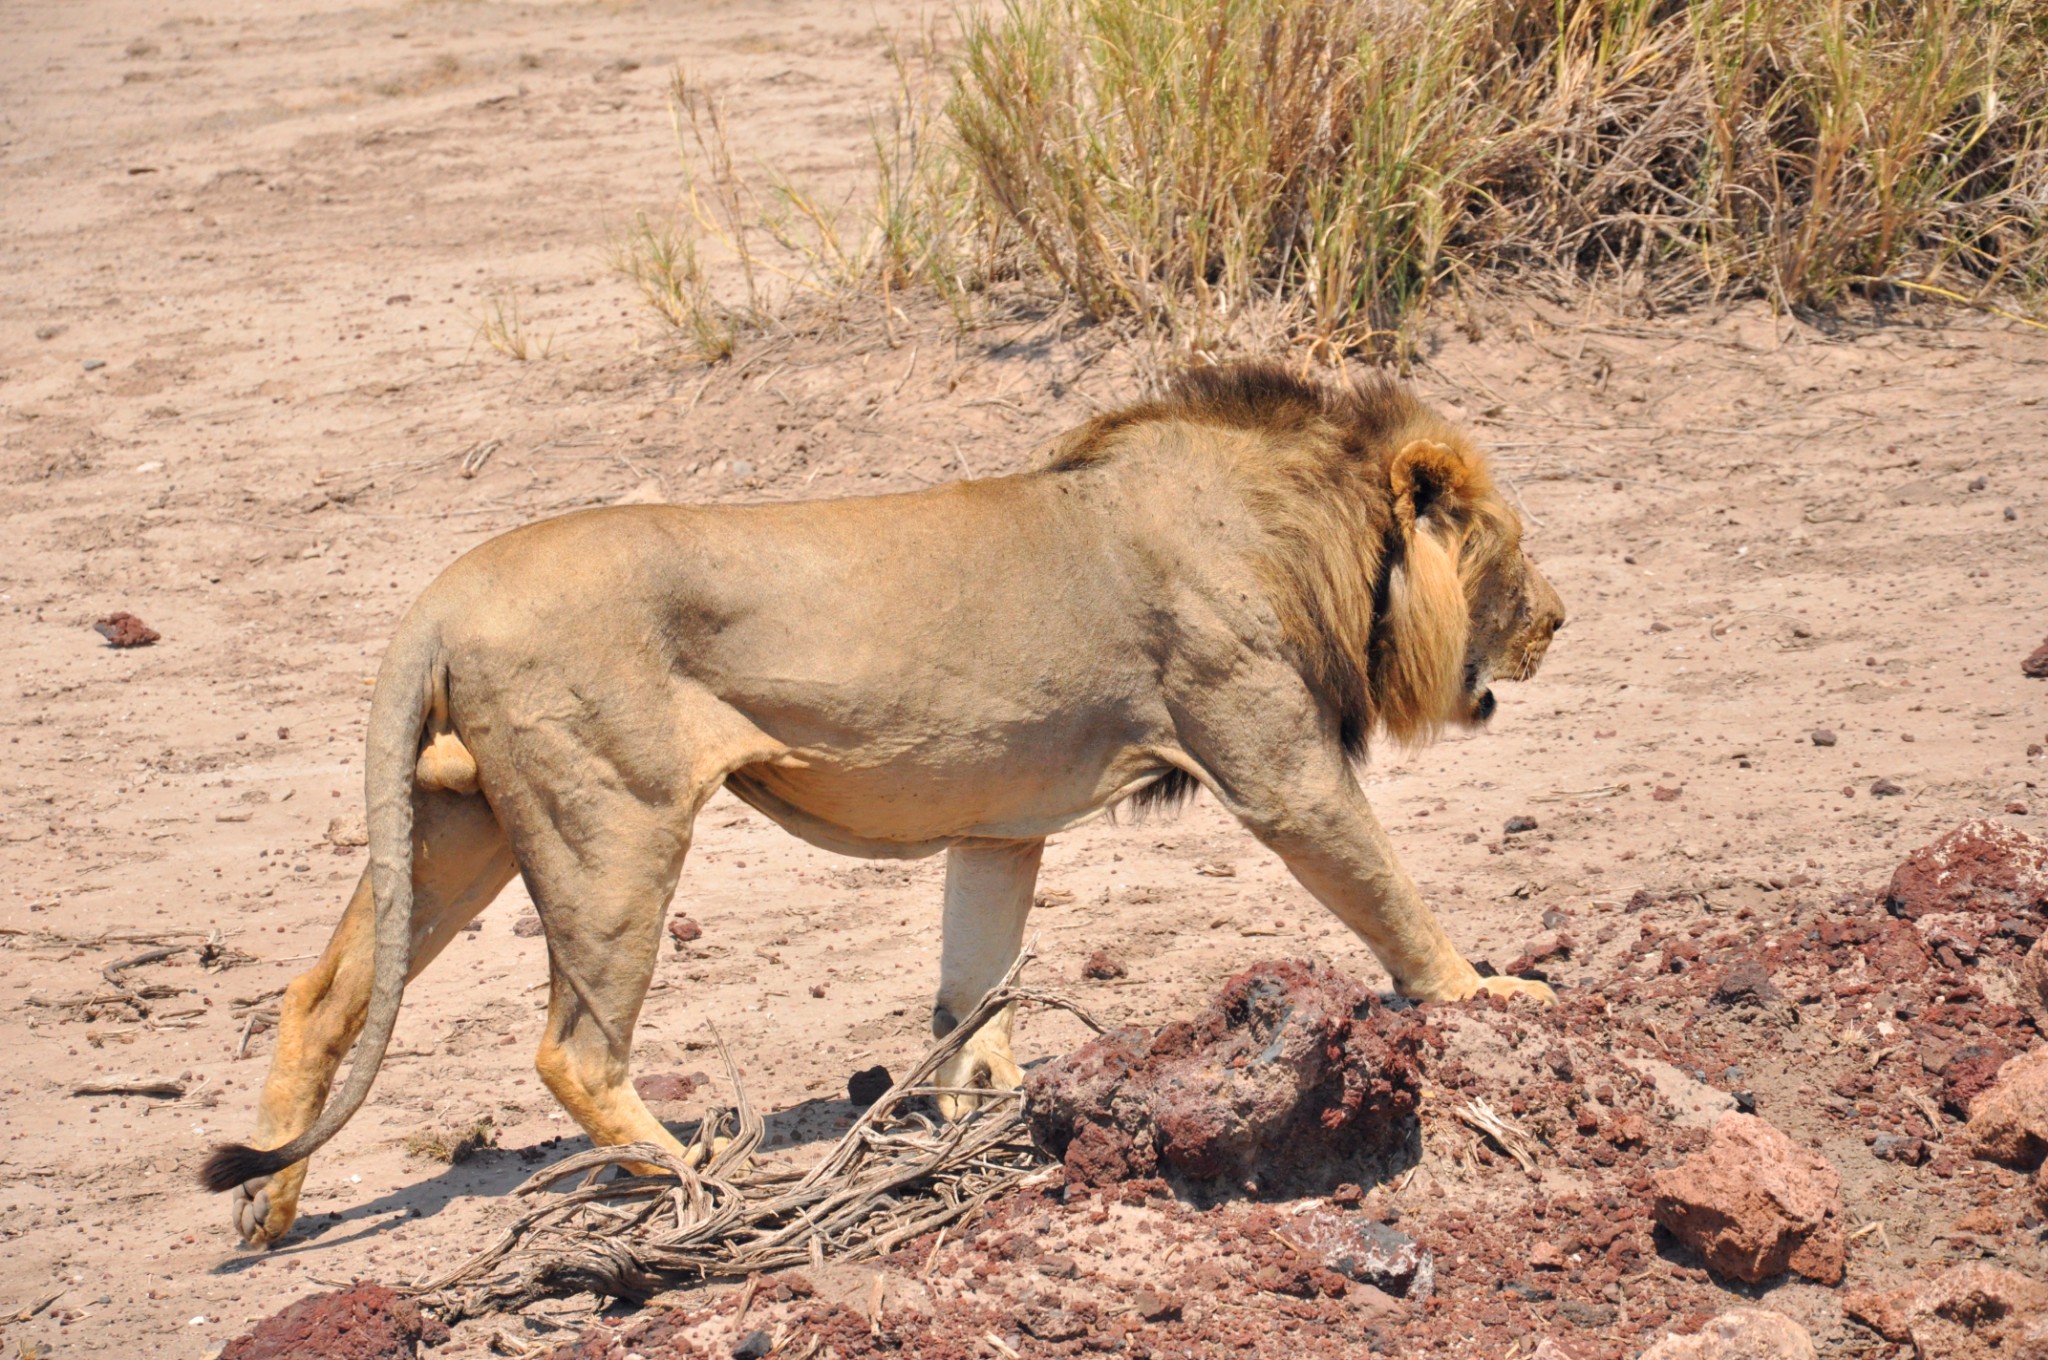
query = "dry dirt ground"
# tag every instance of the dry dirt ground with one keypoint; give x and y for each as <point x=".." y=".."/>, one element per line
<point x="243" y="257"/>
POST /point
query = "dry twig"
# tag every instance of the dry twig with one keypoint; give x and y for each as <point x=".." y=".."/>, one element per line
<point x="1510" y="1137"/>
<point x="895" y="1175"/>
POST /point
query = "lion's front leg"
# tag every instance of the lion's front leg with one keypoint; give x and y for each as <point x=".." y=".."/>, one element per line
<point x="1338" y="850"/>
<point x="1273" y="757"/>
<point x="988" y="897"/>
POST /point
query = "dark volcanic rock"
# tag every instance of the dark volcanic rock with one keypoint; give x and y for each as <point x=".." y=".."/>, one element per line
<point x="1980" y="866"/>
<point x="363" y="1322"/>
<point x="869" y="1085"/>
<point x="1291" y="1072"/>
<point x="1371" y="1253"/>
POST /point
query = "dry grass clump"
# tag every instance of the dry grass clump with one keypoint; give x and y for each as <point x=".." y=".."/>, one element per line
<point x="1340" y="162"/>
<point x="1239" y="171"/>
<point x="503" y="327"/>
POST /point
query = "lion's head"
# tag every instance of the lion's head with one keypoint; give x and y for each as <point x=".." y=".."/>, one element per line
<point x="1395" y="565"/>
<point x="1465" y="605"/>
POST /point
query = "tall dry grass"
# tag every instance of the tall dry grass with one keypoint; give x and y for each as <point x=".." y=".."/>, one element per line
<point x="1228" y="172"/>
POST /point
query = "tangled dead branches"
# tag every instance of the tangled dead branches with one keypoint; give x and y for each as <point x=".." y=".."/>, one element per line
<point x="896" y="1174"/>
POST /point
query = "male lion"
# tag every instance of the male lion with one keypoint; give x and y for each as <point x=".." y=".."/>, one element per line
<point x="1232" y="587"/>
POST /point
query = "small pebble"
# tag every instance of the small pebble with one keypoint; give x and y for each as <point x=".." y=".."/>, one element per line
<point x="91" y="364"/>
<point x="1979" y="483"/>
<point x="742" y="468"/>
<point x="2011" y="513"/>
<point x="2016" y="809"/>
<point x="1823" y="737"/>
<point x="1885" y="788"/>
<point x="1102" y="967"/>
<point x="1520" y="822"/>
<point x="49" y="331"/>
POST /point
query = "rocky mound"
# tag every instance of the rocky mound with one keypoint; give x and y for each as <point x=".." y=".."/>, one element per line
<point x="364" y="1322"/>
<point x="1291" y="1075"/>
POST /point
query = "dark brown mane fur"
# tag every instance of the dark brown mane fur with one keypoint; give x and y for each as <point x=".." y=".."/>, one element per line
<point x="1370" y="632"/>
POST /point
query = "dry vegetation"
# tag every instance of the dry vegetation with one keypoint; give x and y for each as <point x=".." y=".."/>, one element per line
<point x="1238" y="174"/>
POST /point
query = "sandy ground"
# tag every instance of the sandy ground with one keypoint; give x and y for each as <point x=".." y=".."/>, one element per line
<point x="245" y="259"/>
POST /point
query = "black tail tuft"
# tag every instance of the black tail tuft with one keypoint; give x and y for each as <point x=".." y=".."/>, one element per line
<point x="233" y="1164"/>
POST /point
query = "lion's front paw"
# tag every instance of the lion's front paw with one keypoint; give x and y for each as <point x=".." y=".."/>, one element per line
<point x="1512" y="987"/>
<point x="263" y="1209"/>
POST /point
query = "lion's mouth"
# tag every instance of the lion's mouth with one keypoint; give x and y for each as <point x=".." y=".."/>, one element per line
<point x="1479" y="700"/>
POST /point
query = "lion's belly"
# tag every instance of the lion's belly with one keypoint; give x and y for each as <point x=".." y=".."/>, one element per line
<point x="906" y="807"/>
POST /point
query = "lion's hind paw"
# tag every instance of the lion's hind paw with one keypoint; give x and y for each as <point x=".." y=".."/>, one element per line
<point x="251" y="1206"/>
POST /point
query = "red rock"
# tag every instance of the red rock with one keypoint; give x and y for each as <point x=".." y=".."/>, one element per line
<point x="1971" y="1070"/>
<point x="528" y="926"/>
<point x="683" y="930"/>
<point x="1883" y="1311"/>
<point x="1739" y="1334"/>
<point x="1550" y="945"/>
<point x="1290" y="1073"/>
<point x="1102" y="967"/>
<point x="1662" y="794"/>
<point x="363" y="1322"/>
<point x="1981" y="1220"/>
<point x="1746" y="980"/>
<point x="1979" y="1312"/>
<point x="1155" y="1305"/>
<point x="125" y="630"/>
<point x="2009" y="1121"/>
<point x="664" y="1086"/>
<point x="2035" y="667"/>
<point x="1980" y="866"/>
<point x="1627" y="1130"/>
<point x="2034" y="984"/>
<point x="1754" y="1205"/>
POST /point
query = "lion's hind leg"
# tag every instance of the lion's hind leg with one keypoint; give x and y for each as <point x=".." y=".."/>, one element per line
<point x="461" y="860"/>
<point x="602" y="882"/>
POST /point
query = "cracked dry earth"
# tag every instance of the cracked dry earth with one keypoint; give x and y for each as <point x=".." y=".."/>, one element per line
<point x="245" y="259"/>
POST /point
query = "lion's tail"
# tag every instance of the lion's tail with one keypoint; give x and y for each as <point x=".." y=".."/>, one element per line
<point x="408" y="684"/>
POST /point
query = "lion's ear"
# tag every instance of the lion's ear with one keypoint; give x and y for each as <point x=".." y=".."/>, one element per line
<point x="1425" y="478"/>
